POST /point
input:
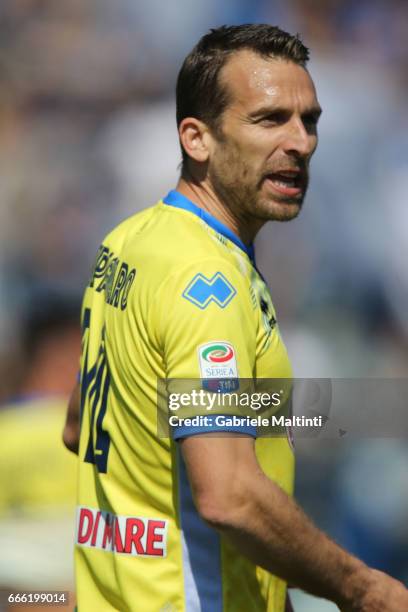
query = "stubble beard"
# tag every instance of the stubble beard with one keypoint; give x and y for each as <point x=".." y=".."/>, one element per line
<point x="236" y="194"/>
<point x="244" y="197"/>
<point x="278" y="209"/>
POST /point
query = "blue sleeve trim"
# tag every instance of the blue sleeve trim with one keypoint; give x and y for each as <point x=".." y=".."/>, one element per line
<point x="209" y="425"/>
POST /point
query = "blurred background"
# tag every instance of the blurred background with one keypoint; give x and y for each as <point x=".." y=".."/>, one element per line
<point x="88" y="137"/>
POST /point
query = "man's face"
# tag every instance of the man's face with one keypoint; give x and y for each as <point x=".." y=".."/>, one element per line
<point x="268" y="133"/>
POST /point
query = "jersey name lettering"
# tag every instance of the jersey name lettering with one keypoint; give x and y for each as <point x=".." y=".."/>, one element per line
<point x="112" y="276"/>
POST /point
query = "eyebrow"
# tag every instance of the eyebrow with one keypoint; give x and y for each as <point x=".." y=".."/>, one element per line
<point x="316" y="111"/>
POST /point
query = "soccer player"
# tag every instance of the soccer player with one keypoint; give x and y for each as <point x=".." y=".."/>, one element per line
<point x="37" y="475"/>
<point x="199" y="521"/>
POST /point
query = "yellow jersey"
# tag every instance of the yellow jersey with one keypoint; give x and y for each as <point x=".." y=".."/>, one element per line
<point x="37" y="495"/>
<point x="174" y="294"/>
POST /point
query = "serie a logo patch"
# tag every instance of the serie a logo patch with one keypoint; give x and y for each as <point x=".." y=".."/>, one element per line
<point x="217" y="362"/>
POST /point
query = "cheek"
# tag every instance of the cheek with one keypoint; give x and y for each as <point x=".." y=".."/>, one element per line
<point x="258" y="152"/>
<point x="228" y="158"/>
<point x="241" y="159"/>
<point x="253" y="145"/>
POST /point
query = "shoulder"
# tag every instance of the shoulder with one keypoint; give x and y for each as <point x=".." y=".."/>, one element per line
<point x="164" y="241"/>
<point x="204" y="290"/>
<point x="172" y="253"/>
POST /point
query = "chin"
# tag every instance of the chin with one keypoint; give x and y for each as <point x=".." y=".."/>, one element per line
<point x="283" y="211"/>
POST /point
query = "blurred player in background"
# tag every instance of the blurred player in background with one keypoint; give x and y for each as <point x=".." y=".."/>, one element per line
<point x="37" y="475"/>
<point x="202" y="522"/>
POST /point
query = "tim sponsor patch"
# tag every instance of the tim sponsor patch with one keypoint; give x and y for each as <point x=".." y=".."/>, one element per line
<point x="128" y="535"/>
<point x="218" y="366"/>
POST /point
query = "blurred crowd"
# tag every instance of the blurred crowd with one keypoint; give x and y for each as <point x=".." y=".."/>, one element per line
<point x="88" y="137"/>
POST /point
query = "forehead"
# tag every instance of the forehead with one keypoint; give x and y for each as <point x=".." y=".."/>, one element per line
<point x="253" y="80"/>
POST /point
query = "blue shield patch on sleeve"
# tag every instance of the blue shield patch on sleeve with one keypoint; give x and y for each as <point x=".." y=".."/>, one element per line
<point x="201" y="291"/>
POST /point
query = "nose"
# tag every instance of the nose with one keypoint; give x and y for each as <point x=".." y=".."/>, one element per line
<point x="298" y="139"/>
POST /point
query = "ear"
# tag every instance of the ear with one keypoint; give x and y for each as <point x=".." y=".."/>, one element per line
<point x="195" y="138"/>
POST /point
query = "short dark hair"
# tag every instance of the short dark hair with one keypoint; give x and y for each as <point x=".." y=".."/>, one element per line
<point x="199" y="93"/>
<point x="50" y="312"/>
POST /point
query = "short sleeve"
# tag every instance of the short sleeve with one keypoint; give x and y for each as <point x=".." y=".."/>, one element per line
<point x="208" y="333"/>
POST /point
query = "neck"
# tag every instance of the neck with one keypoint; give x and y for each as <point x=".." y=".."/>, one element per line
<point x="202" y="193"/>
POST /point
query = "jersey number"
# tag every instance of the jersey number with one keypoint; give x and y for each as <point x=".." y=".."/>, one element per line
<point x="95" y="384"/>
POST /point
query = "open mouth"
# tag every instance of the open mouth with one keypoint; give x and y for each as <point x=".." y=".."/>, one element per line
<point x="287" y="182"/>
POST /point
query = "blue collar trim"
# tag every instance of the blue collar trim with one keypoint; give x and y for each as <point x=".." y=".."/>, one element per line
<point x="178" y="200"/>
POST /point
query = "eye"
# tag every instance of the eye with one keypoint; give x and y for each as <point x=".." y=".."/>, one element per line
<point x="311" y="120"/>
<point x="276" y="118"/>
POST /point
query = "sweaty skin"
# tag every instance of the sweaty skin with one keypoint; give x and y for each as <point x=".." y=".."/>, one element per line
<point x="269" y="127"/>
